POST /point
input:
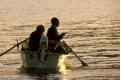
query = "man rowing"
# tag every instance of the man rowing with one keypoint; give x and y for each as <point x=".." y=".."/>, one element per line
<point x="53" y="35"/>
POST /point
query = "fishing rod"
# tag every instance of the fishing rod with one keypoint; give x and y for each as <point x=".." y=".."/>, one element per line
<point x="94" y="20"/>
<point x="101" y="17"/>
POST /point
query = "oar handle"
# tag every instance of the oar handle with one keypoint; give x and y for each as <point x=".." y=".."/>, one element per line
<point x="13" y="47"/>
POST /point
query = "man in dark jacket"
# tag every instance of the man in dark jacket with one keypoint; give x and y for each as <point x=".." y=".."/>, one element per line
<point x="35" y="38"/>
<point x="53" y="33"/>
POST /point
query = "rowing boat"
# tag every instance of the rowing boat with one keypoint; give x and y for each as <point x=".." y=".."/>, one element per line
<point x="43" y="59"/>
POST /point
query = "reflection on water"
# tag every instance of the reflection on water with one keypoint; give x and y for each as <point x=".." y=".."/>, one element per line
<point x="62" y="64"/>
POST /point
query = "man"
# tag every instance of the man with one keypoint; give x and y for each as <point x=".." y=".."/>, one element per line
<point x="35" y="38"/>
<point x="53" y="33"/>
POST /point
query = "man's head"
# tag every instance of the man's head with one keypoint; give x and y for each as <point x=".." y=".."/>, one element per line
<point x="40" y="29"/>
<point x="55" y="21"/>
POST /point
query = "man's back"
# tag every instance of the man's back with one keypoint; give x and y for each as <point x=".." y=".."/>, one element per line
<point x="34" y="41"/>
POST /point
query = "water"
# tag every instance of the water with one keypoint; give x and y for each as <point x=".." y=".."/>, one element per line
<point x="93" y="28"/>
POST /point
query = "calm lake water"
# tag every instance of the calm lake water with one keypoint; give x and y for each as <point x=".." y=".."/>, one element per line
<point x="93" y="28"/>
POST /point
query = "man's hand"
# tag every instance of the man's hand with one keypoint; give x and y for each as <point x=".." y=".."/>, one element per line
<point x="63" y="34"/>
<point x="59" y="44"/>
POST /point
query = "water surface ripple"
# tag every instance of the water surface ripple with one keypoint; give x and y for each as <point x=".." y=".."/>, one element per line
<point x="93" y="28"/>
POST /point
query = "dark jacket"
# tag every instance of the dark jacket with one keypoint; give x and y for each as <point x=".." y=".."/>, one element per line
<point x="53" y="35"/>
<point x="34" y="41"/>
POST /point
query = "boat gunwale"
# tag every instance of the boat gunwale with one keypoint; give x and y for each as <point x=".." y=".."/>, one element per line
<point x="48" y="53"/>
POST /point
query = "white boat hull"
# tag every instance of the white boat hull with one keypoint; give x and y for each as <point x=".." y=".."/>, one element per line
<point x="32" y="60"/>
<point x="44" y="59"/>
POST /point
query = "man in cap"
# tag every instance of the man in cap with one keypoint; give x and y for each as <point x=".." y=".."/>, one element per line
<point x="35" y="38"/>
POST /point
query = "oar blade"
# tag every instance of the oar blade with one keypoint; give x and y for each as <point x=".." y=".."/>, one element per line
<point x="84" y="64"/>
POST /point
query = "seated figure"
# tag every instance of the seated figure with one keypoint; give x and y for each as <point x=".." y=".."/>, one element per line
<point x="35" y="37"/>
<point x="53" y="35"/>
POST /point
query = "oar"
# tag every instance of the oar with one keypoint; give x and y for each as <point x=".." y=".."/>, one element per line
<point x="13" y="47"/>
<point x="82" y="62"/>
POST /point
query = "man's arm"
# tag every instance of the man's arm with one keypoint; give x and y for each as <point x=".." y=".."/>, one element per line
<point x="52" y="42"/>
